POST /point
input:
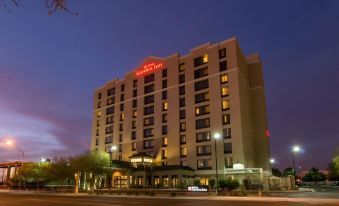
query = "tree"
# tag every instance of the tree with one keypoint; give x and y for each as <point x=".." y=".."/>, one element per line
<point x="196" y="182"/>
<point x="334" y="171"/>
<point x="276" y="172"/>
<point x="289" y="171"/>
<point x="228" y="184"/>
<point x="61" y="170"/>
<point x="211" y="182"/>
<point x="314" y="175"/>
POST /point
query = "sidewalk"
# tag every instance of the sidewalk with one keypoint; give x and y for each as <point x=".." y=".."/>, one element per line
<point x="212" y="197"/>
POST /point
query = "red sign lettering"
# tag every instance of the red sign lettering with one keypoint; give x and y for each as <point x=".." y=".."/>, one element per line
<point x="148" y="68"/>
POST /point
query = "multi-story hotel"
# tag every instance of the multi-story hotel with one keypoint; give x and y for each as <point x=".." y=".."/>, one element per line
<point x="169" y="112"/>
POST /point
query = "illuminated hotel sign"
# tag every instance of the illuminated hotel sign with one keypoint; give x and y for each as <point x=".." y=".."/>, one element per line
<point x="197" y="188"/>
<point x="149" y="67"/>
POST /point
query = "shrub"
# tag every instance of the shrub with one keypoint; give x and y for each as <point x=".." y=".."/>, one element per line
<point x="196" y="182"/>
<point x="228" y="184"/>
<point x="211" y="182"/>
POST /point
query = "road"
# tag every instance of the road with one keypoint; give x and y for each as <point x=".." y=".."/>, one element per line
<point x="7" y="199"/>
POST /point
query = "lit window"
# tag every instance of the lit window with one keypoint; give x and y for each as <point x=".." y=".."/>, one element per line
<point x="99" y="114"/>
<point x="134" y="145"/>
<point x="224" y="78"/>
<point x="205" y="58"/>
<point x="165" y="106"/>
<point x="224" y="91"/>
<point x="135" y="113"/>
<point x="225" y="104"/>
<point x="197" y="110"/>
<point x="164" y="141"/>
<point x="164" y="154"/>
<point x="122" y="116"/>
<point x="183" y="152"/>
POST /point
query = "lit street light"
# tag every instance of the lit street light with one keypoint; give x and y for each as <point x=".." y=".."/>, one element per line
<point x="10" y="143"/>
<point x="216" y="136"/>
<point x="295" y="149"/>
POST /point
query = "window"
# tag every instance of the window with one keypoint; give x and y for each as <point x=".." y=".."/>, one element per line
<point x="202" y="97"/>
<point x="149" y="78"/>
<point x="164" y="95"/>
<point x="227" y="148"/>
<point x="109" y="129"/>
<point x="182" y="114"/>
<point x="183" y="139"/>
<point x="148" y="110"/>
<point x="204" y="150"/>
<point x="225" y="104"/>
<point x="97" y="141"/>
<point x="202" y="110"/>
<point x="122" y="88"/>
<point x="149" y="88"/>
<point x="223" y="66"/>
<point x="165" y="180"/>
<point x="98" y="123"/>
<point x="182" y="126"/>
<point x="204" y="164"/>
<point x="148" y="121"/>
<point x="224" y="78"/>
<point x="97" y="132"/>
<point x="224" y="91"/>
<point x="99" y="104"/>
<point x="110" y="100"/>
<point x="99" y="113"/>
<point x="148" y="132"/>
<point x="149" y="99"/>
<point x="109" y="120"/>
<point x="109" y="139"/>
<point x="200" y="73"/>
<point x="134" y="113"/>
<point x="164" y="141"/>
<point x="164" y="129"/>
<point x="135" y="83"/>
<point x="110" y="110"/>
<point x="164" y="84"/>
<point x="120" y="137"/>
<point x="182" y="102"/>
<point x="203" y="136"/>
<point x="122" y="107"/>
<point x="134" y="146"/>
<point x="122" y="97"/>
<point x="134" y="124"/>
<point x="182" y="90"/>
<point x="135" y="93"/>
<point x="164" y="73"/>
<point x="201" y="60"/>
<point x="201" y="85"/>
<point x="122" y="116"/>
<point x="181" y="78"/>
<point x="120" y="150"/>
<point x="164" y="118"/>
<point x="134" y="103"/>
<point x="183" y="152"/>
<point x="148" y="144"/>
<point x="164" y="106"/>
<point x="121" y="127"/>
<point x="110" y="91"/>
<point x="133" y="135"/>
<point x="226" y="119"/>
<point x="222" y="53"/>
<point x="202" y="123"/>
<point x="226" y="133"/>
<point x="164" y="154"/>
<point x="228" y="162"/>
<point x="99" y="95"/>
<point x="182" y="67"/>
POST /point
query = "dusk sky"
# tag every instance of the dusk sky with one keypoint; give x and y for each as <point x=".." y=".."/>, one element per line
<point x="50" y="66"/>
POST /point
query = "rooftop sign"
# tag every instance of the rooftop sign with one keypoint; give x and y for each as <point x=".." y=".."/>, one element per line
<point x="149" y="67"/>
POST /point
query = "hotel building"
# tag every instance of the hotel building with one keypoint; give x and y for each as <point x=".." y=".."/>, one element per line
<point x="167" y="111"/>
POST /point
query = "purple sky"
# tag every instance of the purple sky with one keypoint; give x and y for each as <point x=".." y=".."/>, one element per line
<point x="50" y="66"/>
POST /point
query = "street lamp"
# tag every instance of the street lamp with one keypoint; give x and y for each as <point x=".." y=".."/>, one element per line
<point x="295" y="149"/>
<point x="113" y="148"/>
<point x="10" y="143"/>
<point x="273" y="162"/>
<point x="216" y="136"/>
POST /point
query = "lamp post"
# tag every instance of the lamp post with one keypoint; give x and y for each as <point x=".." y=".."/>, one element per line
<point x="295" y="150"/>
<point x="113" y="149"/>
<point x="272" y="161"/>
<point x="10" y="143"/>
<point x="216" y="136"/>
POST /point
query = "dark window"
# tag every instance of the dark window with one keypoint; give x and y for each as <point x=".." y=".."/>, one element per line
<point x="164" y="73"/>
<point x="226" y="133"/>
<point x="122" y="97"/>
<point x="203" y="136"/>
<point x="109" y="129"/>
<point x="99" y="95"/>
<point x="202" y="123"/>
<point x="182" y="114"/>
<point x="164" y="94"/>
<point x="164" y="129"/>
<point x="96" y="141"/>
<point x="148" y="110"/>
<point x="201" y="85"/>
<point x="149" y="99"/>
<point x="183" y="139"/>
<point x="135" y="103"/>
<point x="182" y="126"/>
<point x="223" y="66"/>
<point x="97" y="132"/>
<point x="222" y="53"/>
<point x="182" y="102"/>
<point x="227" y="148"/>
<point x="109" y="120"/>
<point x="181" y="78"/>
<point x="226" y="119"/>
<point x="121" y="127"/>
<point x="200" y="73"/>
<point x="204" y="150"/>
<point x="110" y="110"/>
<point x="149" y="121"/>
<point x="205" y="164"/>
<point x="122" y="107"/>
<point x="202" y="97"/>
<point x="182" y="90"/>
<point x="148" y="144"/>
<point x="133" y="135"/>
<point x="202" y="110"/>
<point x="109" y="139"/>
<point x="148" y="132"/>
<point x="164" y="118"/>
<point x="122" y="88"/>
<point x="201" y="60"/>
<point x="149" y="78"/>
<point x="110" y="91"/>
<point x="120" y="137"/>
<point x="149" y="88"/>
<point x="135" y="83"/>
<point x="181" y="67"/>
<point x="110" y="100"/>
<point x="164" y="155"/>
<point x="164" y="84"/>
<point x="135" y="93"/>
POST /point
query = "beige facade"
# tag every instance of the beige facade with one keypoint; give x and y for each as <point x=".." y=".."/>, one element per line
<point x="171" y="108"/>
